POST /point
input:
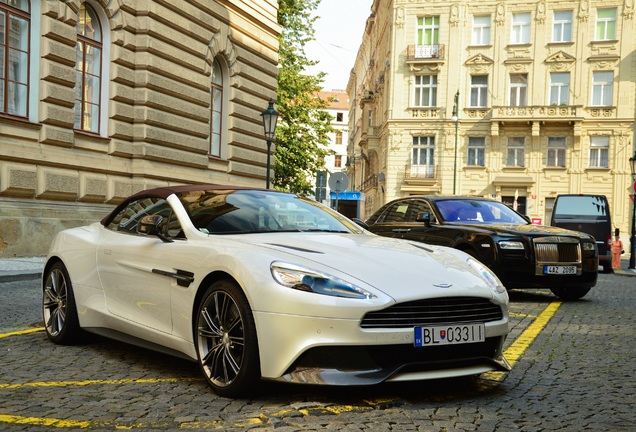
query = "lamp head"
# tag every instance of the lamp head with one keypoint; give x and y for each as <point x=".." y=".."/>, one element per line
<point x="270" y="118"/>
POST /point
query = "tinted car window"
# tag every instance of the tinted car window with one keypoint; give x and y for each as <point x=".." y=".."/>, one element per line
<point x="419" y="206"/>
<point x="396" y="213"/>
<point x="128" y="219"/>
<point x="585" y="205"/>
<point x="476" y="211"/>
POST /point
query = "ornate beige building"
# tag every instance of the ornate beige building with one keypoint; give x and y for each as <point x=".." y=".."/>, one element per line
<point x="103" y="98"/>
<point x="544" y="94"/>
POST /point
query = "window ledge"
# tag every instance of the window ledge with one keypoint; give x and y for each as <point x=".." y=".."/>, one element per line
<point x="554" y="168"/>
<point x="566" y="43"/>
<point x="597" y="169"/>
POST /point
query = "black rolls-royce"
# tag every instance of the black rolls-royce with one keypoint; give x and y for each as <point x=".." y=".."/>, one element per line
<point x="523" y="255"/>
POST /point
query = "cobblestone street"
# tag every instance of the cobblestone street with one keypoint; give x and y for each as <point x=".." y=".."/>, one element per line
<point x="575" y="374"/>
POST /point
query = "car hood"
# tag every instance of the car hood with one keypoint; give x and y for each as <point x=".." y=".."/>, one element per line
<point x="398" y="268"/>
<point x="531" y="230"/>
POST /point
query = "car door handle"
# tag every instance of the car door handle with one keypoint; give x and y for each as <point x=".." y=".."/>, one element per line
<point x="401" y="230"/>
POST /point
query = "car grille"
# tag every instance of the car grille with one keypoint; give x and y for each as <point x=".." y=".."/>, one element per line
<point x="557" y="250"/>
<point x="435" y="311"/>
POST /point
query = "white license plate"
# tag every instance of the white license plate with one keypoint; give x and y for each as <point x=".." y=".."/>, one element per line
<point x="449" y="335"/>
<point x="559" y="270"/>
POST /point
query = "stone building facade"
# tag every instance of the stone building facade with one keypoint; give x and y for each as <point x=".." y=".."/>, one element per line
<point x="103" y="98"/>
<point x="338" y="108"/>
<point x="515" y="100"/>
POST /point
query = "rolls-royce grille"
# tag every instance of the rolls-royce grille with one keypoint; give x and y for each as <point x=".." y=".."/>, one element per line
<point x="558" y="252"/>
<point x="448" y="310"/>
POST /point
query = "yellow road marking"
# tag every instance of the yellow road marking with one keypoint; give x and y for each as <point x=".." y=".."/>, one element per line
<point x="21" y="332"/>
<point x="513" y="353"/>
<point x="97" y="382"/>
<point x="519" y="346"/>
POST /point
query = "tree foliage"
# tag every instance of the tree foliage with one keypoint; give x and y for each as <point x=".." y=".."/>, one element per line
<point x="304" y="123"/>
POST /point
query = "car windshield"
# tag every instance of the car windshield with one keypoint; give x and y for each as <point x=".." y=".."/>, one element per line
<point x="478" y="211"/>
<point x="258" y="211"/>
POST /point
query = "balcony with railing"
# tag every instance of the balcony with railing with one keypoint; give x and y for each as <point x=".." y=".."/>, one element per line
<point x="369" y="182"/>
<point x="547" y="112"/>
<point x="420" y="173"/>
<point x="425" y="53"/>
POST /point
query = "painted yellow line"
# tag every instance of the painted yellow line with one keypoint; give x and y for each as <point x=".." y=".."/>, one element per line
<point x="97" y="382"/>
<point x="21" y="332"/>
<point x="514" y="352"/>
<point x="48" y="422"/>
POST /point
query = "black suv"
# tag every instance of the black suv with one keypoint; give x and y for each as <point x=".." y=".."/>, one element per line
<point x="523" y="255"/>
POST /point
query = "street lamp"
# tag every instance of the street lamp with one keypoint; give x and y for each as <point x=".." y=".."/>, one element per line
<point x="632" y="239"/>
<point x="455" y="118"/>
<point x="270" y="117"/>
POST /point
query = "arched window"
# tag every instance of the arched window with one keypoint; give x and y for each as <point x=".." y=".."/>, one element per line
<point x="14" y="57"/>
<point x="216" y="109"/>
<point x="88" y="70"/>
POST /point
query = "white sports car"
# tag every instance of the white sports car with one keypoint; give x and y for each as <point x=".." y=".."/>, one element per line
<point x="256" y="284"/>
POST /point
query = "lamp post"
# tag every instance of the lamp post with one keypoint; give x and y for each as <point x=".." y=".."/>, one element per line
<point x="270" y="117"/>
<point x="632" y="239"/>
<point x="455" y="118"/>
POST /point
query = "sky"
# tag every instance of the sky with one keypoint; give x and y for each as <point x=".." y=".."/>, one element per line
<point x="338" y="36"/>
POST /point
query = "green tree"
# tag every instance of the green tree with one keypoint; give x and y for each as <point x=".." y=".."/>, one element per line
<point x="304" y="123"/>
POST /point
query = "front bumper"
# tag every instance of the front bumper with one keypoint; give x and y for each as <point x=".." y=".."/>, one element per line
<point x="338" y="352"/>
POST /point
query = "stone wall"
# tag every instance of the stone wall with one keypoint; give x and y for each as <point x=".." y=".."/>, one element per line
<point x="157" y="63"/>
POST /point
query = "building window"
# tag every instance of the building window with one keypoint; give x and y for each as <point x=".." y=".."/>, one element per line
<point x="337" y="162"/>
<point x="423" y="156"/>
<point x="518" y="89"/>
<point x="605" y="24"/>
<point x="14" y="54"/>
<point x="339" y="137"/>
<point x="599" y="151"/>
<point x="520" y="30"/>
<point x="556" y="152"/>
<point x="216" y="109"/>
<point x="562" y="26"/>
<point x="481" y="30"/>
<point x="88" y="72"/>
<point x="425" y="90"/>
<point x="516" y="152"/>
<point x="339" y="117"/>
<point x="478" y="90"/>
<point x="559" y="88"/>
<point x="602" y="88"/>
<point x="476" y="151"/>
<point x="428" y="30"/>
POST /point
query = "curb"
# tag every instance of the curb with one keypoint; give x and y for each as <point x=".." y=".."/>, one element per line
<point x="13" y="277"/>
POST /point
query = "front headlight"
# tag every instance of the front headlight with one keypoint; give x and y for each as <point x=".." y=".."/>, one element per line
<point x="304" y="279"/>
<point x="491" y="278"/>
<point x="588" y="246"/>
<point x="511" y="245"/>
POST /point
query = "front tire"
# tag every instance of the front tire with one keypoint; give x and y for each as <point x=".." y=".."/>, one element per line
<point x="226" y="343"/>
<point x="570" y="293"/>
<point x="59" y="308"/>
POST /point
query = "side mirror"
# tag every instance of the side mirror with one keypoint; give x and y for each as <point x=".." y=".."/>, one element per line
<point x="424" y="217"/>
<point x="361" y="223"/>
<point x="151" y="225"/>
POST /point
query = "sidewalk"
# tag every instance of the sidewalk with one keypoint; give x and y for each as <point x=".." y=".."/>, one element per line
<point x="624" y="270"/>
<point x="15" y="269"/>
